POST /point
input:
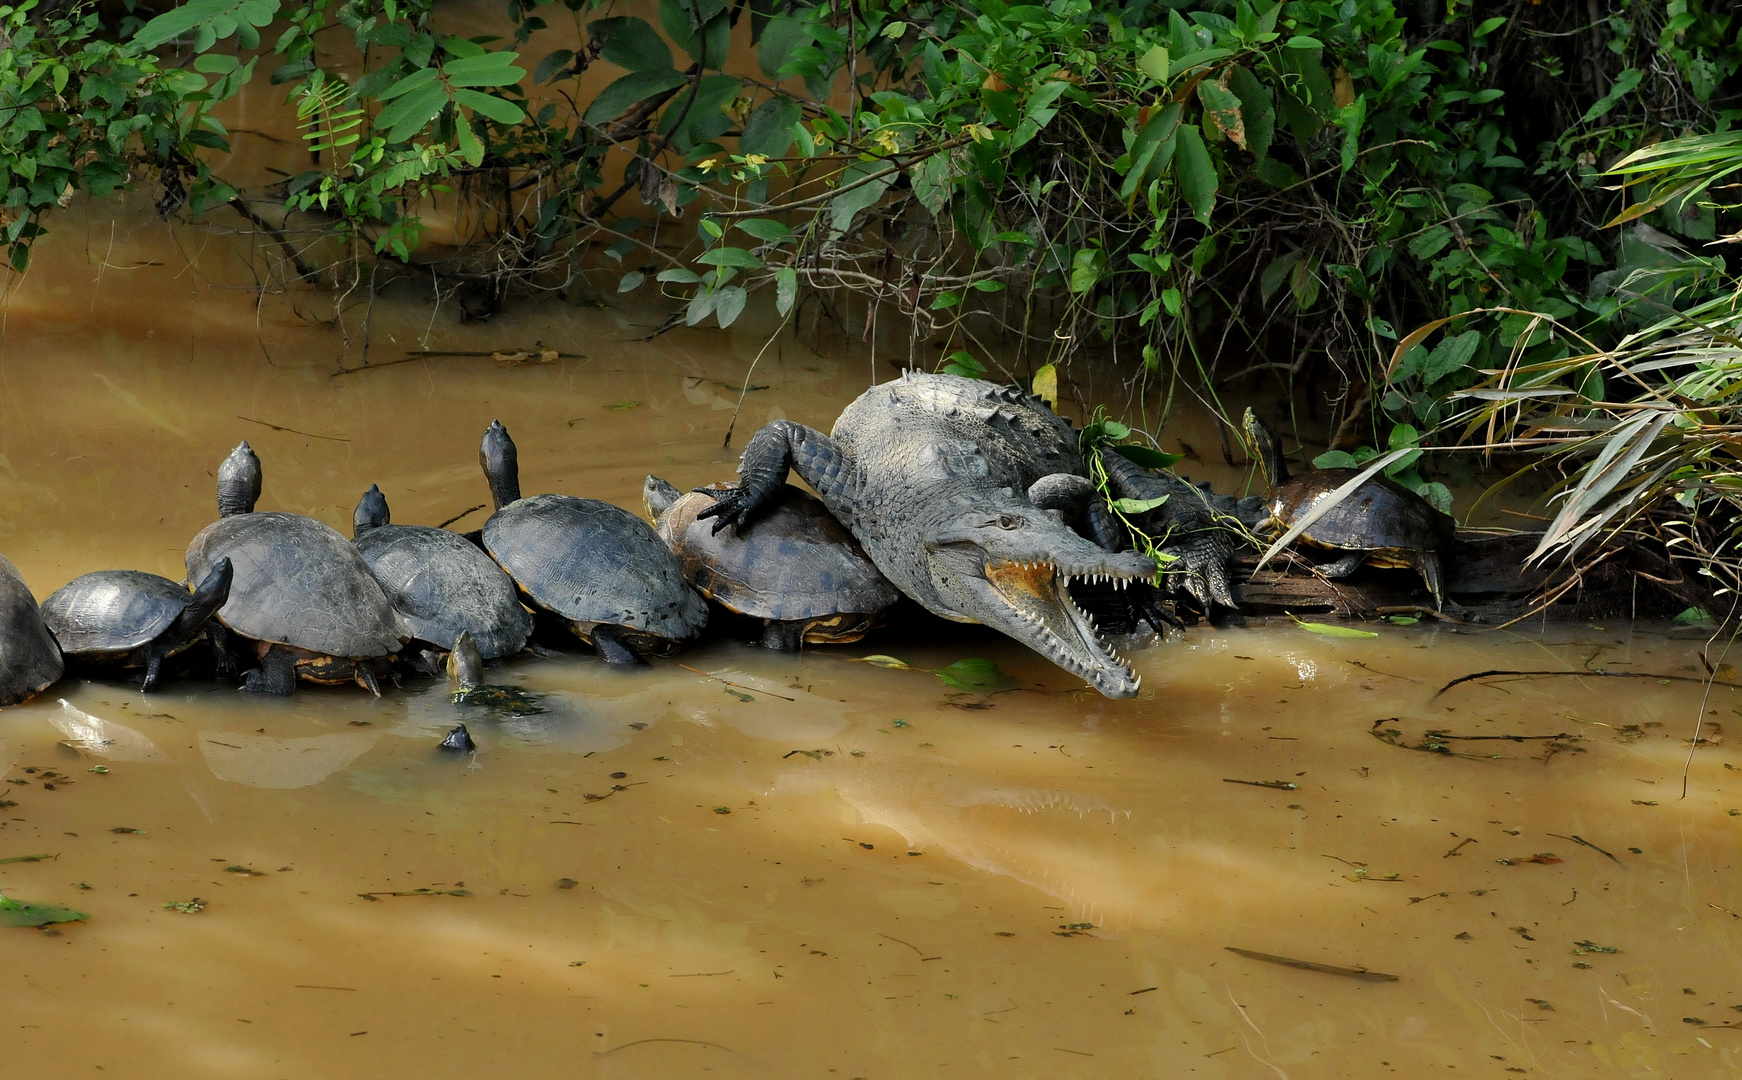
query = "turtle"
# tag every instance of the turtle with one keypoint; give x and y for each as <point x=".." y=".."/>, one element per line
<point x="441" y="585"/>
<point x="799" y="571"/>
<point x="598" y="568"/>
<point x="30" y="661"/>
<point x="465" y="671"/>
<point x="132" y="619"/>
<point x="301" y="593"/>
<point x="1380" y="523"/>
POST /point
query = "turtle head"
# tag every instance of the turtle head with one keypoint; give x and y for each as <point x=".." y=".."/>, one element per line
<point x="501" y="463"/>
<point x="1269" y="452"/>
<point x="371" y="512"/>
<point x="1010" y="570"/>
<point x="239" y="482"/>
<point x="465" y="664"/>
<point x="207" y="599"/>
<point x="658" y="496"/>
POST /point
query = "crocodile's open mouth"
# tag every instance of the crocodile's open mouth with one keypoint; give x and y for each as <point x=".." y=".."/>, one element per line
<point x="1039" y="610"/>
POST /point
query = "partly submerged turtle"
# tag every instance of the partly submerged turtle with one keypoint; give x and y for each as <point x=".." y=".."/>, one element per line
<point x="465" y="670"/>
<point x="799" y="570"/>
<point x="30" y="661"/>
<point x="1380" y="523"/>
<point x="600" y="569"/>
<point x="301" y="593"/>
<point x="132" y="619"/>
<point x="441" y="585"/>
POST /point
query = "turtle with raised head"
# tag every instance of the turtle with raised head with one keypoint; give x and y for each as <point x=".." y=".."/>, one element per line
<point x="466" y="685"/>
<point x="441" y="585"/>
<point x="30" y="661"/>
<point x="1381" y="523"/>
<point x="131" y="619"/>
<point x="600" y="569"/>
<point x="302" y="596"/>
<point x="799" y="571"/>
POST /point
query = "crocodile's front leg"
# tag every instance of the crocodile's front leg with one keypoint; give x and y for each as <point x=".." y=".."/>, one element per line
<point x="770" y="454"/>
<point x="1189" y="529"/>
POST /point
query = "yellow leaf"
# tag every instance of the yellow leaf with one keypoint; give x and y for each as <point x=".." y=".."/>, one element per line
<point x="1046" y="386"/>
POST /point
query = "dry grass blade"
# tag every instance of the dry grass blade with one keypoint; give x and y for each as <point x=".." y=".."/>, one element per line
<point x="1622" y="450"/>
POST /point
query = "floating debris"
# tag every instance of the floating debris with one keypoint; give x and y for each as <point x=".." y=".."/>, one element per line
<point x="186" y="907"/>
<point x="36" y="913"/>
<point x="1309" y="965"/>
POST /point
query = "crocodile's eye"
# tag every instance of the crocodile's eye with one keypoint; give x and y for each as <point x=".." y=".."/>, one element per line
<point x="1006" y="521"/>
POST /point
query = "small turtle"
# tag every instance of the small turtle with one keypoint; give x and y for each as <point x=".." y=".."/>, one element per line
<point x="132" y="619"/>
<point x="1380" y="523"/>
<point x="799" y="570"/>
<point x="30" y="661"/>
<point x="301" y="593"/>
<point x="441" y="585"/>
<point x="465" y="668"/>
<point x="596" y="566"/>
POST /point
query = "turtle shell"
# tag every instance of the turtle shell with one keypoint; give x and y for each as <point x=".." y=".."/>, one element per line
<point x="30" y="661"/>
<point x="298" y="583"/>
<point x="1380" y="515"/>
<point x="112" y="611"/>
<point x="443" y="585"/>
<point x="798" y="564"/>
<point x="591" y="562"/>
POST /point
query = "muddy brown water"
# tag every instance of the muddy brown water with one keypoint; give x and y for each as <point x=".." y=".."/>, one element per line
<point x="801" y="866"/>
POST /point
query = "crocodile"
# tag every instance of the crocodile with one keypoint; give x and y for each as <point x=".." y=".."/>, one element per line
<point x="960" y="492"/>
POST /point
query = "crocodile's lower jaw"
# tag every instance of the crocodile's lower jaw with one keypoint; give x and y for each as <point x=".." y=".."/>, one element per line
<point x="1042" y="615"/>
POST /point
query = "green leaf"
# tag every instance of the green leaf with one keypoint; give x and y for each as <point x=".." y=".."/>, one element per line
<point x="843" y="207"/>
<point x="785" y="289"/>
<point x="736" y="258"/>
<point x="553" y="65"/>
<point x="700" y="307"/>
<point x="894" y="30"/>
<point x="1487" y="26"/>
<point x="730" y="305"/>
<point x="631" y="89"/>
<point x="497" y="109"/>
<point x="1138" y="506"/>
<point x="488" y="69"/>
<point x="679" y="275"/>
<point x="945" y="300"/>
<point x="631" y="43"/>
<point x="631" y="281"/>
<point x="976" y="674"/>
<point x="1303" y="41"/>
<point x="411" y="113"/>
<point x="415" y="81"/>
<point x="766" y="229"/>
<point x="1333" y="630"/>
<point x="1147" y="457"/>
<point x="1336" y="459"/>
<point x="1196" y="172"/>
<point x="780" y="37"/>
<point x="471" y="149"/>
<point x="1450" y="355"/>
<point x="1222" y="107"/>
<point x="963" y="364"/>
<point x="769" y="129"/>
<point x="1088" y="267"/>
<point x="36" y="913"/>
<point x="1154" y="63"/>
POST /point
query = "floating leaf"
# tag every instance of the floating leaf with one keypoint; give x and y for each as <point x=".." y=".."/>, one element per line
<point x="1332" y="630"/>
<point x="974" y="673"/>
<point x="36" y="913"/>
<point x="25" y="858"/>
<point x="622" y="406"/>
<point x="186" y="907"/>
<point x="1402" y="620"/>
<point x="885" y="661"/>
